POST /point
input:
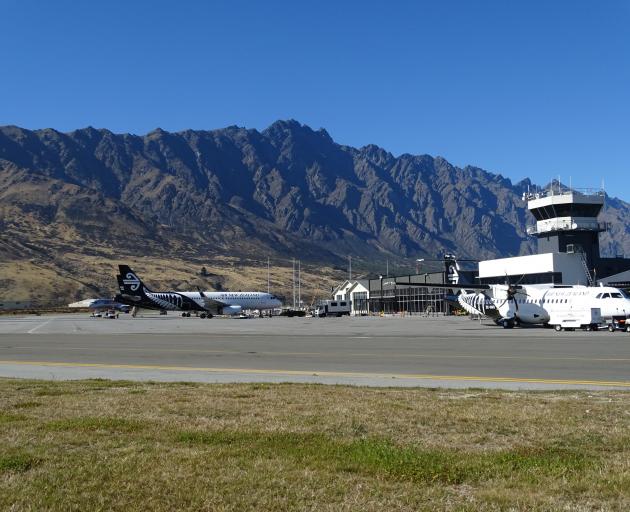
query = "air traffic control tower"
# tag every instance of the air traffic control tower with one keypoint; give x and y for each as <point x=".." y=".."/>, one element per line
<point x="567" y="229"/>
<point x="566" y="222"/>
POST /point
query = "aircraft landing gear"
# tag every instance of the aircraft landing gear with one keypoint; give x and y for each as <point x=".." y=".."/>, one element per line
<point x="185" y="314"/>
<point x="508" y="323"/>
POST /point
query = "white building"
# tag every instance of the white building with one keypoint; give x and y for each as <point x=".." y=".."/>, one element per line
<point x="356" y="292"/>
<point x="551" y="267"/>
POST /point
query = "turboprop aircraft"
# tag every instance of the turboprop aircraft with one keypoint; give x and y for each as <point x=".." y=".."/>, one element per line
<point x="206" y="304"/>
<point x="509" y="304"/>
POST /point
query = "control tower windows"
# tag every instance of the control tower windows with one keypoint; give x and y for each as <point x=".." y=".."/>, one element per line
<point x="566" y="210"/>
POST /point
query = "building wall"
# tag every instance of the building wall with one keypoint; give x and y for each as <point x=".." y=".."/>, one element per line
<point x="569" y="267"/>
<point x="12" y="304"/>
<point x="406" y="294"/>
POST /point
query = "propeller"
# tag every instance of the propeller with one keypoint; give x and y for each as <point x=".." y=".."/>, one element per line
<point x="512" y="290"/>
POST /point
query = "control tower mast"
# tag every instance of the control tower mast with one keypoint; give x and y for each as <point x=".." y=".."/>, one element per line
<point x="566" y="221"/>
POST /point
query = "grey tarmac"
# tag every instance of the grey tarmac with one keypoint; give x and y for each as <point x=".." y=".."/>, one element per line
<point x="372" y="351"/>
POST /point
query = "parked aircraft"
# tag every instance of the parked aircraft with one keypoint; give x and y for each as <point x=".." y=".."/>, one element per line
<point x="109" y="304"/>
<point x="99" y="305"/>
<point x="134" y="292"/>
<point x="510" y="304"/>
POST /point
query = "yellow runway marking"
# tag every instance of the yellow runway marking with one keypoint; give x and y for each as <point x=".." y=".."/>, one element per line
<point x="333" y="355"/>
<point x="315" y="373"/>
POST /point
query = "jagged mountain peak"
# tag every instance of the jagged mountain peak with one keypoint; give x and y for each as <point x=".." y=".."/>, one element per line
<point x="286" y="189"/>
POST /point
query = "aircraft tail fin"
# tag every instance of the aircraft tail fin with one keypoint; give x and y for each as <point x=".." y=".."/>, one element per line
<point x="128" y="281"/>
<point x="452" y="268"/>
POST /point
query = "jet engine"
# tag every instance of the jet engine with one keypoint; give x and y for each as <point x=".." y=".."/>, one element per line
<point x="231" y="310"/>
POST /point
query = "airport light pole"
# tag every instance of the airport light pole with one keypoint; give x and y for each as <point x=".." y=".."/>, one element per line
<point x="349" y="268"/>
<point x="381" y="296"/>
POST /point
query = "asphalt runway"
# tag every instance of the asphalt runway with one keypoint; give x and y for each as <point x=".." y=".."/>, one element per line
<point x="390" y="351"/>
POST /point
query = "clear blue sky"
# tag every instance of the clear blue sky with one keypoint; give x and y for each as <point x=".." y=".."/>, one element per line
<point x="531" y="88"/>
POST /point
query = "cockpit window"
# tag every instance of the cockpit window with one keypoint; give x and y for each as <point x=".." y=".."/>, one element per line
<point x="616" y="295"/>
<point x="599" y="296"/>
<point x="606" y="296"/>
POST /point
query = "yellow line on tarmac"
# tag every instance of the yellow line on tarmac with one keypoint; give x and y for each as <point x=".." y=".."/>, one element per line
<point x="332" y="355"/>
<point x="315" y="373"/>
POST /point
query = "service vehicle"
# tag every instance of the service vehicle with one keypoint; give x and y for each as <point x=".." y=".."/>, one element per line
<point x="333" y="308"/>
<point x="587" y="319"/>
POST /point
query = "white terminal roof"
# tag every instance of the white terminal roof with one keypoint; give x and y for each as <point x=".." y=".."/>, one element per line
<point x="569" y="264"/>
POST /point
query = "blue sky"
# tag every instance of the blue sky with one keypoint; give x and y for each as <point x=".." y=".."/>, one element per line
<point x="525" y="89"/>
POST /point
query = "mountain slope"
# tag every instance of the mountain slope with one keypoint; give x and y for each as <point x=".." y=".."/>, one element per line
<point x="286" y="191"/>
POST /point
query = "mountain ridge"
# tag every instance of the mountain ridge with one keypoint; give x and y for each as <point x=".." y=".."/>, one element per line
<point x="285" y="191"/>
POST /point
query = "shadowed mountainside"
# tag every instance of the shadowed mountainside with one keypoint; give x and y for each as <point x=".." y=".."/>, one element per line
<point x="286" y="191"/>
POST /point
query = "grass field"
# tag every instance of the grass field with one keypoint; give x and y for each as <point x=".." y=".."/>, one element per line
<point x="103" y="445"/>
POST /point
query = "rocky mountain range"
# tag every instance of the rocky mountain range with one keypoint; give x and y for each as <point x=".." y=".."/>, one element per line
<point x="283" y="192"/>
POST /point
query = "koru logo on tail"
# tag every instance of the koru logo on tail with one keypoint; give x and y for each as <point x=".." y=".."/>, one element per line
<point x="132" y="280"/>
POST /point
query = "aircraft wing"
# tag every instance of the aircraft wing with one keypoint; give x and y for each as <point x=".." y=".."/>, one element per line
<point x="212" y="303"/>
<point x="213" y="306"/>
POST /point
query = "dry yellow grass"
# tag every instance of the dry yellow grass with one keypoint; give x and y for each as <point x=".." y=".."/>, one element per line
<point x="75" y="275"/>
<point x="100" y="445"/>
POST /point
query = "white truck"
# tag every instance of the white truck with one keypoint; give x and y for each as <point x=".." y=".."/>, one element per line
<point x="333" y="308"/>
<point x="588" y="319"/>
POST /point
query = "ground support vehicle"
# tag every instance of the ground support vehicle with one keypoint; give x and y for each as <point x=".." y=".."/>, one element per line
<point x="588" y="319"/>
<point x="619" y="323"/>
<point x="333" y="308"/>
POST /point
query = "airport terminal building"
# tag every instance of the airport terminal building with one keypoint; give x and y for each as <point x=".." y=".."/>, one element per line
<point x="567" y="228"/>
<point x="410" y="294"/>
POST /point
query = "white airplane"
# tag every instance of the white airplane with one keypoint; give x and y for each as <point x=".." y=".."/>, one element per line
<point x="100" y="305"/>
<point x="134" y="293"/>
<point x="508" y="305"/>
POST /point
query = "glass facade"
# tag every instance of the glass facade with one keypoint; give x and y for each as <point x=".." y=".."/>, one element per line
<point x="407" y="294"/>
<point x="360" y="303"/>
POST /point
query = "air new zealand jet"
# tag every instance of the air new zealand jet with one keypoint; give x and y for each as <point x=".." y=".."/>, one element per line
<point x="134" y="293"/>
